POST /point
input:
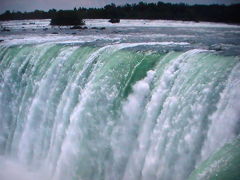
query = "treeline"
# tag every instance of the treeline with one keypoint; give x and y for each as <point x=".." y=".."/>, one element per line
<point x="160" y="10"/>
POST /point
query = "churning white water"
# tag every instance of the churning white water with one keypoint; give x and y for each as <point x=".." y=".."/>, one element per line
<point x="152" y="101"/>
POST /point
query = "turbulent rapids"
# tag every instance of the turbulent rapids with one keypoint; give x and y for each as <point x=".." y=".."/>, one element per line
<point x="122" y="111"/>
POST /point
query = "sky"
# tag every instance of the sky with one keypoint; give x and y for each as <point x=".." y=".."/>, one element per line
<point x="30" y="5"/>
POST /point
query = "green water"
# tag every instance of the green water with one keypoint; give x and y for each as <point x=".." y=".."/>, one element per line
<point x="118" y="112"/>
<point x="223" y="164"/>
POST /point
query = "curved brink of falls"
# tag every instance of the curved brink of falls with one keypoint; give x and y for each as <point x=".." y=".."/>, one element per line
<point x="113" y="113"/>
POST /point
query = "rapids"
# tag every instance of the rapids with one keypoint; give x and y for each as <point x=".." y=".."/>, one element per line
<point x="123" y="110"/>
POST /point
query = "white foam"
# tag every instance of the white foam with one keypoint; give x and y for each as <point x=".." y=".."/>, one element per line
<point x="13" y="170"/>
<point x="153" y="23"/>
<point x="226" y="117"/>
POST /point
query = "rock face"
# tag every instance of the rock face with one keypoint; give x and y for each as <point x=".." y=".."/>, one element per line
<point x="5" y="30"/>
<point x="98" y="28"/>
<point x="114" y="20"/>
<point x="78" y="27"/>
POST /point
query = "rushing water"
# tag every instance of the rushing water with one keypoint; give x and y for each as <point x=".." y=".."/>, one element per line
<point x="153" y="100"/>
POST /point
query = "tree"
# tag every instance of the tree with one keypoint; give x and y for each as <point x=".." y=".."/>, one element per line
<point x="67" y="18"/>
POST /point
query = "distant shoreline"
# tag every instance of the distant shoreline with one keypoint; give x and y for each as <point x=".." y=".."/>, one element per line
<point x="229" y="14"/>
<point x="227" y="23"/>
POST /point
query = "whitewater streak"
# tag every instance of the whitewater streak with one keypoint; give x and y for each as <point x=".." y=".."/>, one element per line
<point x="115" y="112"/>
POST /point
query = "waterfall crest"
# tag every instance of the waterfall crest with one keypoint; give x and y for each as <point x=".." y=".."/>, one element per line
<point x="114" y="112"/>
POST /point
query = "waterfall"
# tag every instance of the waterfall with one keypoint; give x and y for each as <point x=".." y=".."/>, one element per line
<point x="117" y="112"/>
